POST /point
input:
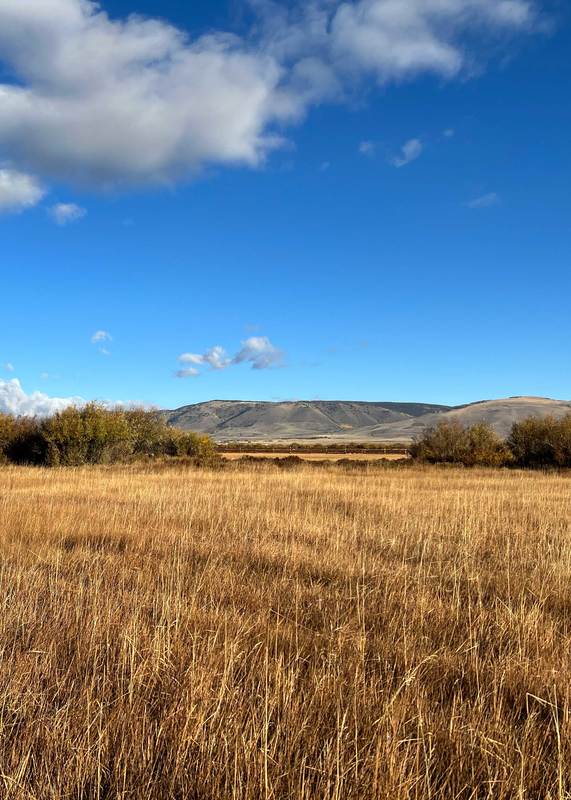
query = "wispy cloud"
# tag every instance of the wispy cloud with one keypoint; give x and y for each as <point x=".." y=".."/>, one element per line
<point x="8" y="366"/>
<point x="485" y="201"/>
<point x="410" y="151"/>
<point x="65" y="213"/>
<point x="258" y="351"/>
<point x="101" y="336"/>
<point x="367" y="148"/>
<point x="188" y="372"/>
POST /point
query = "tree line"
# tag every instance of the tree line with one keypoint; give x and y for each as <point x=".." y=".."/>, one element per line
<point x="534" y="442"/>
<point x="94" y="434"/>
<point x="97" y="435"/>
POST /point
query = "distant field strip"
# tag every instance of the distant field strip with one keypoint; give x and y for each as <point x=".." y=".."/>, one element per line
<point x="255" y="633"/>
<point x="318" y="456"/>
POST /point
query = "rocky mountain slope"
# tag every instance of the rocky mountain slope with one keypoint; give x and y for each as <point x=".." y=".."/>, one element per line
<point x="236" y="420"/>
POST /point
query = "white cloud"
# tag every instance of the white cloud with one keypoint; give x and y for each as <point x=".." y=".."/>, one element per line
<point x="8" y="366"/>
<point x="390" y="40"/>
<point x="487" y="200"/>
<point x="130" y="101"/>
<point x="18" y="191"/>
<point x="100" y="337"/>
<point x="191" y="358"/>
<point x="216" y="358"/>
<point x="66" y="213"/>
<point x="257" y="351"/>
<point x="14" y="400"/>
<point x="109" y="102"/>
<point x="410" y="151"/>
<point x="367" y="148"/>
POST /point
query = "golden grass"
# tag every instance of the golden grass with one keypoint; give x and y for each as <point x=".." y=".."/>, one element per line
<point x="319" y="456"/>
<point x="254" y="633"/>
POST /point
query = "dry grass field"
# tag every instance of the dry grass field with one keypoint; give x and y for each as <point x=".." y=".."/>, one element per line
<point x="259" y="633"/>
<point x="318" y="456"/>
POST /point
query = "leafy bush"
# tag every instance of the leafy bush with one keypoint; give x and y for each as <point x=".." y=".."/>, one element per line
<point x="542" y="442"/>
<point x="194" y="445"/>
<point x="149" y="435"/>
<point x="96" y="435"/>
<point x="486" y="448"/>
<point x="90" y="435"/>
<point x="446" y="442"/>
<point x="7" y="431"/>
<point x="452" y="443"/>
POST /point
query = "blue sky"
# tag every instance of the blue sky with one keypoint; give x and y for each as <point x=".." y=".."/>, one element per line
<point x="390" y="227"/>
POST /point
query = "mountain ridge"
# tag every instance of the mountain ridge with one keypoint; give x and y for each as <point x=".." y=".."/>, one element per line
<point x="345" y="420"/>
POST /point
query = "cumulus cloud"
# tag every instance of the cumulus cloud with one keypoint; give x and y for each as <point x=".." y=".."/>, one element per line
<point x="18" y="191"/>
<point x="485" y="201"/>
<point x="410" y="151"/>
<point x="14" y="400"/>
<point x="130" y="101"/>
<point x="66" y="213"/>
<point x="111" y="102"/>
<point x="216" y="358"/>
<point x="257" y="351"/>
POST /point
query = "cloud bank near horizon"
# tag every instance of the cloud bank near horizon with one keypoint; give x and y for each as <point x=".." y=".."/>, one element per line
<point x="14" y="400"/>
<point x="109" y="103"/>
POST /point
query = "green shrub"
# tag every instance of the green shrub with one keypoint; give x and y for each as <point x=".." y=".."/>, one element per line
<point x="97" y="435"/>
<point x="195" y="445"/>
<point x="149" y="435"/>
<point x="89" y="435"/>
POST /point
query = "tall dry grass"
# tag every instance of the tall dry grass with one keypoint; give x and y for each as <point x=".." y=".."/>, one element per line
<point x="257" y="633"/>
